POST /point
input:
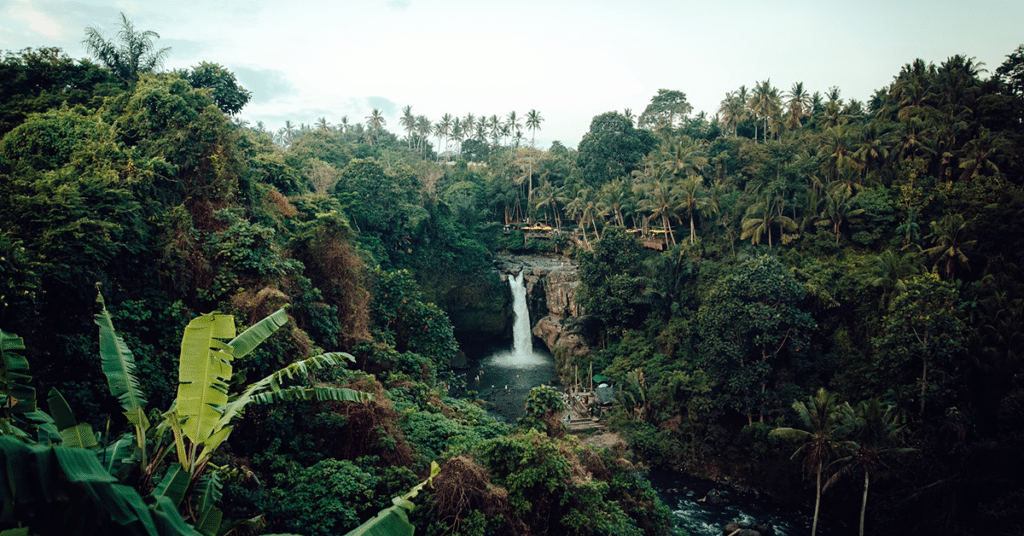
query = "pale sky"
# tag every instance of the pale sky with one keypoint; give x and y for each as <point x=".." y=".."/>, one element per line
<point x="569" y="60"/>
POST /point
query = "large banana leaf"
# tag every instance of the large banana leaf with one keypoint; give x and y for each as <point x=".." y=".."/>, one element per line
<point x="173" y="485"/>
<point x="15" y="392"/>
<point x="73" y="434"/>
<point x="46" y="490"/>
<point x="118" y="365"/>
<point x="207" y="494"/>
<point x="203" y="372"/>
<point x="259" y="332"/>
<point x="391" y="521"/>
<point x="320" y="394"/>
<point x="273" y="382"/>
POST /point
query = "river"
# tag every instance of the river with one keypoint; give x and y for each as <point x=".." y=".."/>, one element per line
<point x="504" y="376"/>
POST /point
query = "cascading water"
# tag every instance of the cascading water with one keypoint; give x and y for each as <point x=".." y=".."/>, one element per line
<point x="522" y="339"/>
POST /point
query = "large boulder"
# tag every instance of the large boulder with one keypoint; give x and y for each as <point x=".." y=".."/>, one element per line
<point x="562" y="342"/>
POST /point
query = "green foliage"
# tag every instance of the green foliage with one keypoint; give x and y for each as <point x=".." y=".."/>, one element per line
<point x="750" y="323"/>
<point x="542" y="406"/>
<point x="611" y="282"/>
<point x="227" y="94"/>
<point x="529" y="466"/>
<point x="406" y="322"/>
<point x="668" y="109"/>
<point x="612" y="148"/>
<point x="61" y="490"/>
<point x="18" y="397"/>
<point x="329" y="497"/>
<point x="922" y="342"/>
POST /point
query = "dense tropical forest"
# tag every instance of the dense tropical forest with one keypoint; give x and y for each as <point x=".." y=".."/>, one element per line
<point x="805" y="295"/>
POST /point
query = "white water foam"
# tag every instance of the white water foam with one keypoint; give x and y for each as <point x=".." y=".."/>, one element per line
<point x="522" y="354"/>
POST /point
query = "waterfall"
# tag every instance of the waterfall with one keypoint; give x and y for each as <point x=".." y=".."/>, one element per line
<point x="522" y="339"/>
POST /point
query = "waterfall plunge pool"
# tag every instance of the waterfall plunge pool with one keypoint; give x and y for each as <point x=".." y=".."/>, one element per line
<point x="504" y="376"/>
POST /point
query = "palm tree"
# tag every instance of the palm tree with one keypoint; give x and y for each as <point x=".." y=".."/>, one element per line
<point x="798" y="106"/>
<point x="833" y="109"/>
<point x="765" y="104"/>
<point x="374" y="123"/>
<point x="612" y="200"/>
<point x="949" y="234"/>
<point x="695" y="202"/>
<point x="873" y="146"/>
<point x="343" y="125"/>
<point x="583" y="209"/>
<point x="533" y="121"/>
<point x="423" y="129"/>
<point x="547" y="195"/>
<point x="408" y="122"/>
<point x="979" y="154"/>
<point x="876" y="432"/>
<point x="660" y="202"/>
<point x="839" y="209"/>
<point x="494" y="125"/>
<point x="733" y="111"/>
<point x="682" y="156"/>
<point x="823" y="422"/>
<point x="838" y="151"/>
<point x="761" y="216"/>
<point x="893" y="271"/>
<point x="323" y="125"/>
<point x="458" y="132"/>
<point x="513" y="123"/>
<point x="628" y="114"/>
<point x="135" y="54"/>
<point x="443" y="128"/>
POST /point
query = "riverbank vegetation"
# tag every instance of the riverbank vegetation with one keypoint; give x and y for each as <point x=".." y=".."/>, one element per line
<point x="795" y="241"/>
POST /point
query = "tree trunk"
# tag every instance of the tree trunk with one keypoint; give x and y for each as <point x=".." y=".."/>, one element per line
<point x="817" y="503"/>
<point x="693" y="231"/>
<point x="864" y="503"/>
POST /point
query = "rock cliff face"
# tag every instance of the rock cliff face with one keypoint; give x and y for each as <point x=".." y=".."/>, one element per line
<point x="479" y="306"/>
<point x="555" y="315"/>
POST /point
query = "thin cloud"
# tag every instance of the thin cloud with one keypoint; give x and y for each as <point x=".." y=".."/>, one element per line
<point x="266" y="85"/>
<point x="37" y="21"/>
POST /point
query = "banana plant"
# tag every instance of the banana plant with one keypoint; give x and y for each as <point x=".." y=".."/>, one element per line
<point x="17" y="398"/>
<point x="118" y="365"/>
<point x="200" y="417"/>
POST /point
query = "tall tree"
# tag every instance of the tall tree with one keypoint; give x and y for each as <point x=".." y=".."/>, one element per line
<point x="513" y="124"/>
<point x="660" y="201"/>
<point x="136" y="52"/>
<point x="374" y="124"/>
<point x="877" y="428"/>
<point x="797" y="106"/>
<point x="408" y="122"/>
<point x="533" y="121"/>
<point x="822" y="423"/>
<point x="227" y="94"/>
<point x="765" y="105"/>
<point x="667" y="109"/>
<point x="694" y="202"/>
<point x="423" y="129"/>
